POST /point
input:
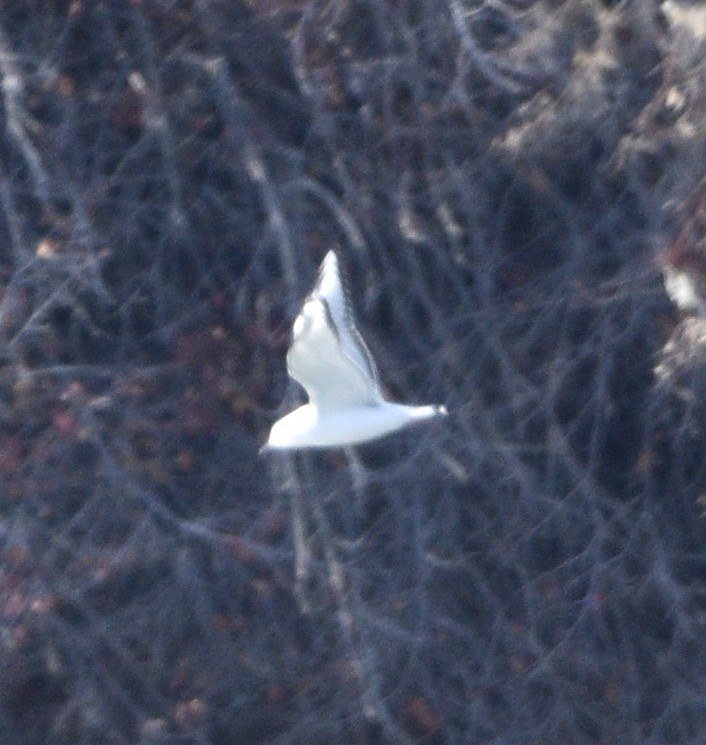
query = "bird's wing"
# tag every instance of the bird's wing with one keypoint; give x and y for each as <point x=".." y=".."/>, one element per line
<point x="331" y="288"/>
<point x="327" y="356"/>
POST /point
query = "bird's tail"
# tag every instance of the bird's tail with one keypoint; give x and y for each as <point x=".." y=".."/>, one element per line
<point x="427" y="412"/>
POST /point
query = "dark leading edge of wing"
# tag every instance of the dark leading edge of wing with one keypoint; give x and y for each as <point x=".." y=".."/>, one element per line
<point x="332" y="289"/>
<point x="327" y="356"/>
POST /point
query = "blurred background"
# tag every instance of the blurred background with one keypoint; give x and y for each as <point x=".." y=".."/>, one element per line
<point x="508" y="184"/>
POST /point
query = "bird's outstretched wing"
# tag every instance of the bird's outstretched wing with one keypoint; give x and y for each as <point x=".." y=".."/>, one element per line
<point x="328" y="356"/>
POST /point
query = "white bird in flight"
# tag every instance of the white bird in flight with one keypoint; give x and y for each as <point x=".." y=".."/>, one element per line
<point x="330" y="360"/>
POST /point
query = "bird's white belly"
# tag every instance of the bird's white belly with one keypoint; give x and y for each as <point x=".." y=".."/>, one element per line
<point x="308" y="427"/>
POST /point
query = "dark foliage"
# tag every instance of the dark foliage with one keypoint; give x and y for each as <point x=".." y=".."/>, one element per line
<point x="504" y="182"/>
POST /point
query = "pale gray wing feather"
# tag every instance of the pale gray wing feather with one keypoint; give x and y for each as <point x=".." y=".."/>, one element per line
<point x="327" y="355"/>
<point x="331" y="288"/>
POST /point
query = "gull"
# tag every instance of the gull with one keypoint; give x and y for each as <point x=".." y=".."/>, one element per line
<point x="330" y="360"/>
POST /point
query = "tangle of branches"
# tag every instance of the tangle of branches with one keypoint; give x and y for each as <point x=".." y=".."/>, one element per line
<point x="506" y="182"/>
